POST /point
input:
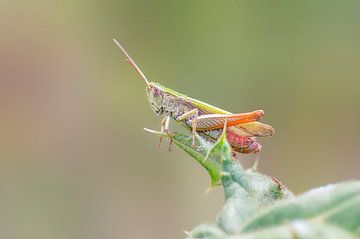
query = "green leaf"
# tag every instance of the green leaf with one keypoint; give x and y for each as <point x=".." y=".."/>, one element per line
<point x="329" y="204"/>
<point x="328" y="212"/>
<point x="261" y="207"/>
<point x="212" y="164"/>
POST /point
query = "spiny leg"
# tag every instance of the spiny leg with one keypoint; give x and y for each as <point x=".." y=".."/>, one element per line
<point x="195" y="113"/>
<point x="167" y="130"/>
<point x="194" y="122"/>
<point x="217" y="121"/>
<point x="162" y="123"/>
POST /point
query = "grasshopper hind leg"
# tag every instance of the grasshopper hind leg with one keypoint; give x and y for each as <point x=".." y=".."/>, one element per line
<point x="256" y="163"/>
<point x="236" y="156"/>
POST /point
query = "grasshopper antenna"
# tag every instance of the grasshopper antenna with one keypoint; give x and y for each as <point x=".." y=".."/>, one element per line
<point x="132" y="63"/>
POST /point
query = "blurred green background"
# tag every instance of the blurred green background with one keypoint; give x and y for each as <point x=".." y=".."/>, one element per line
<point x="75" y="161"/>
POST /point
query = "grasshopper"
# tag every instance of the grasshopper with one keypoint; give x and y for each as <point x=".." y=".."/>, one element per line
<point x="204" y="119"/>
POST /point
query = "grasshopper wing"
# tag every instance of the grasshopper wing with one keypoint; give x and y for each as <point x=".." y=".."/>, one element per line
<point x="253" y="129"/>
<point x="249" y="129"/>
<point x="217" y="121"/>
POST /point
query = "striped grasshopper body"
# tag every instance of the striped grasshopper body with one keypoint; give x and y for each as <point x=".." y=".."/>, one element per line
<point x="204" y="119"/>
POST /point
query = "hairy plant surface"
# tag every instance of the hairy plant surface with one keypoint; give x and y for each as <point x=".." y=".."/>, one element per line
<point x="261" y="207"/>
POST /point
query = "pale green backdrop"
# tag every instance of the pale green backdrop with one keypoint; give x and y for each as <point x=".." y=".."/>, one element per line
<point x="75" y="162"/>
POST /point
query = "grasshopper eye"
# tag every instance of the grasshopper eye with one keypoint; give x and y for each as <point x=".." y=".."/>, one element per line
<point x="155" y="91"/>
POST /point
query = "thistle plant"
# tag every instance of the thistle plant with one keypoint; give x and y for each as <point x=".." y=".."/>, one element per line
<point x="258" y="206"/>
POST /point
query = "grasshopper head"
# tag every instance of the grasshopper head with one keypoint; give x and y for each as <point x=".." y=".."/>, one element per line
<point x="155" y="93"/>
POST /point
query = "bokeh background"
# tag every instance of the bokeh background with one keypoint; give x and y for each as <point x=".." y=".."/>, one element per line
<point x="75" y="161"/>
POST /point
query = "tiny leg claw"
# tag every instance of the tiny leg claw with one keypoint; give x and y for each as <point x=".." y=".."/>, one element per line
<point x="160" y="141"/>
<point x="170" y="144"/>
<point x="193" y="141"/>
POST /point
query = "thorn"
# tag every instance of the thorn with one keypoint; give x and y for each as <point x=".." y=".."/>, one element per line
<point x="207" y="156"/>
<point x="208" y="190"/>
<point x="156" y="132"/>
<point x="224" y="174"/>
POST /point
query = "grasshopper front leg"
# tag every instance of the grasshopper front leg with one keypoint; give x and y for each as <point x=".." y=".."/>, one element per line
<point x="167" y="130"/>
<point x="165" y="123"/>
